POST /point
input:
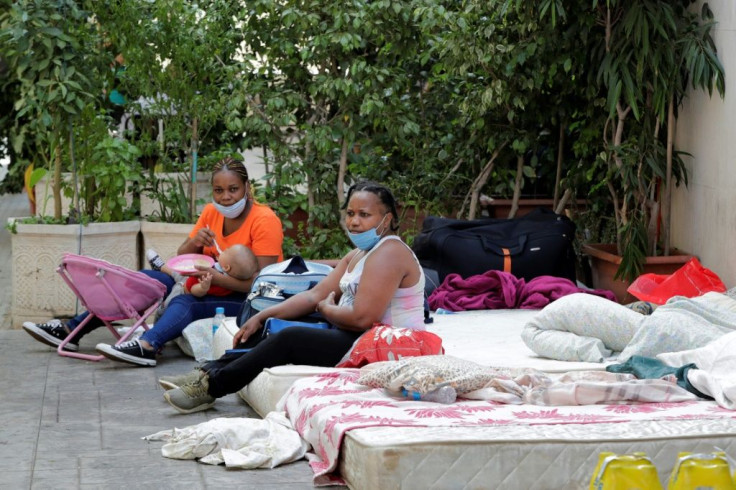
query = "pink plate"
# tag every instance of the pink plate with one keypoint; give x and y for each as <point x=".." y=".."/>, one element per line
<point x="184" y="264"/>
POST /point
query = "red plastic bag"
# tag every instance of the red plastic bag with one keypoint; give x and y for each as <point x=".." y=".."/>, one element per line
<point x="385" y="343"/>
<point x="690" y="280"/>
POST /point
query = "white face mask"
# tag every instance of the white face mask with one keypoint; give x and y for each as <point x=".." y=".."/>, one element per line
<point x="232" y="211"/>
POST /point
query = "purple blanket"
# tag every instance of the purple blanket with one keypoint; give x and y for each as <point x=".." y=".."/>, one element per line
<point x="494" y="290"/>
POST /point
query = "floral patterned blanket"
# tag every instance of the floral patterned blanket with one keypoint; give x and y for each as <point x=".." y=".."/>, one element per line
<point x="323" y="408"/>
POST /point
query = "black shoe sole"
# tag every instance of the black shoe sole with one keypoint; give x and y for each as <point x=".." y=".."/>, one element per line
<point x="49" y="340"/>
<point x="115" y="355"/>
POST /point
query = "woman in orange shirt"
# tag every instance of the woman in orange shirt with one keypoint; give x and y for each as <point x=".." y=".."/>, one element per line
<point x="232" y="218"/>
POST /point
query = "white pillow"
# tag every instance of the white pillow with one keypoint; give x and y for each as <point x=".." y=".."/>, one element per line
<point x="581" y="327"/>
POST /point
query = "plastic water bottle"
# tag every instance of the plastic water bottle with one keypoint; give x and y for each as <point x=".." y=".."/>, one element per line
<point x="218" y="319"/>
<point x="444" y="394"/>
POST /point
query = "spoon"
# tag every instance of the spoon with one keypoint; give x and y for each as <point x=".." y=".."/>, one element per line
<point x="219" y="250"/>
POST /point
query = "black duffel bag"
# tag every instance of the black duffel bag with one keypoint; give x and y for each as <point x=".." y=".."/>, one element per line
<point x="537" y="244"/>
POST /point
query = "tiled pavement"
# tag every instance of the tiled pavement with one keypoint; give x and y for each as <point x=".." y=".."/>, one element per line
<point x="67" y="423"/>
<point x="11" y="205"/>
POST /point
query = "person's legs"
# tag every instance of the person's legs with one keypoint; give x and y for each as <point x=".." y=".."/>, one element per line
<point x="297" y="345"/>
<point x="294" y="345"/>
<point x="183" y="310"/>
<point x="186" y="308"/>
<point x="55" y="331"/>
<point x="95" y="323"/>
<point x="177" y="381"/>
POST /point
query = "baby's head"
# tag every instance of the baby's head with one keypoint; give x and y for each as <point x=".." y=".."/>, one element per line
<point x="239" y="262"/>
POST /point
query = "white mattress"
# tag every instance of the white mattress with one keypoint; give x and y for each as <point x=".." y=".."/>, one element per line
<point x="516" y="457"/>
<point x="499" y="457"/>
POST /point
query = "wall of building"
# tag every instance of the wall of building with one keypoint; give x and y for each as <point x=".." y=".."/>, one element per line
<point x="704" y="213"/>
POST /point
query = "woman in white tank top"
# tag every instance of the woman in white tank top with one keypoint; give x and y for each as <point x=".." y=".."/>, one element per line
<point x="380" y="281"/>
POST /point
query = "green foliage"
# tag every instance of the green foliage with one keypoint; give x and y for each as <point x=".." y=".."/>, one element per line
<point x="647" y="53"/>
<point x="56" y="76"/>
<point x="170" y="197"/>
<point x="440" y="100"/>
<point x="121" y="173"/>
<point x="180" y="67"/>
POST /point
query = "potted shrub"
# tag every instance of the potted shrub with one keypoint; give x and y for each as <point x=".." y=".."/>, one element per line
<point x="166" y="217"/>
<point x="60" y="63"/>
<point x="648" y="54"/>
<point x="107" y="227"/>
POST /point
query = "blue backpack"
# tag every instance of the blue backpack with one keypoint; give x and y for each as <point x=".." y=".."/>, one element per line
<point x="276" y="282"/>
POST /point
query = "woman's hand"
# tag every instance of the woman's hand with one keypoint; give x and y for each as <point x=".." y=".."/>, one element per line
<point x="204" y="238"/>
<point x="249" y="328"/>
<point x="328" y="301"/>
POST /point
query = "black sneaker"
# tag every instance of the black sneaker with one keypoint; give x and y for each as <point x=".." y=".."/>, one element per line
<point x="131" y="352"/>
<point x="50" y="333"/>
<point x="154" y="259"/>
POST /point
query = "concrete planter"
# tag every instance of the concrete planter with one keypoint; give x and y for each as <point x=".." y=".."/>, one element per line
<point x="165" y="238"/>
<point x="39" y="293"/>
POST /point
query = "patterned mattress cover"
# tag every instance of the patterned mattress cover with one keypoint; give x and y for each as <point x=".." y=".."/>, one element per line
<point x="513" y="456"/>
<point x="324" y="408"/>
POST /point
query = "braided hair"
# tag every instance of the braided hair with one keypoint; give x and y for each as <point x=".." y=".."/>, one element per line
<point x="384" y="195"/>
<point x="233" y="165"/>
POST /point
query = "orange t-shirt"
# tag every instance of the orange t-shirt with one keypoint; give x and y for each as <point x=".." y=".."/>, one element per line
<point x="261" y="231"/>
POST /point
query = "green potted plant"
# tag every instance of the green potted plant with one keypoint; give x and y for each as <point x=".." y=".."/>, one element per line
<point x="59" y="60"/>
<point x="648" y="54"/>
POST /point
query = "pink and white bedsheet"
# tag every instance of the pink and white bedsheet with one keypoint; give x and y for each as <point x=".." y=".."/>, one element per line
<point x="324" y="407"/>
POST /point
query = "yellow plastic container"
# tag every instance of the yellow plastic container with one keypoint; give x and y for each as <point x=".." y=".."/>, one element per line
<point x="701" y="472"/>
<point x="625" y="472"/>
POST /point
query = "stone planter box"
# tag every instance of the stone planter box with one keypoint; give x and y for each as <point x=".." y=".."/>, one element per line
<point x="39" y="293"/>
<point x="165" y="238"/>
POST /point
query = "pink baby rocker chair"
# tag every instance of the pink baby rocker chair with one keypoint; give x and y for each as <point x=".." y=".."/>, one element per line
<point x="111" y="293"/>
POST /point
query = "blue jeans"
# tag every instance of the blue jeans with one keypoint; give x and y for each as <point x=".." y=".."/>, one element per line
<point x="186" y="308"/>
<point x="181" y="311"/>
<point x="96" y="323"/>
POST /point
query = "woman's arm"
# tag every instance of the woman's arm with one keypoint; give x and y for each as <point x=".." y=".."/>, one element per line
<point x="233" y="284"/>
<point x="383" y="273"/>
<point x="298" y="305"/>
<point x="195" y="244"/>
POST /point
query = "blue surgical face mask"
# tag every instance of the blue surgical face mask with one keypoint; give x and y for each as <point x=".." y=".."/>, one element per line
<point x="232" y="211"/>
<point x="367" y="239"/>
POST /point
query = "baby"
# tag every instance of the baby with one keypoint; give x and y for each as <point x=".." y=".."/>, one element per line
<point x="237" y="261"/>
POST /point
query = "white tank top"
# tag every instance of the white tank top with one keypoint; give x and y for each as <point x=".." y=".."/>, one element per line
<point x="406" y="309"/>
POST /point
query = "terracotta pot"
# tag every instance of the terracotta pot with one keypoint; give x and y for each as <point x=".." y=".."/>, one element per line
<point x="604" y="262"/>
